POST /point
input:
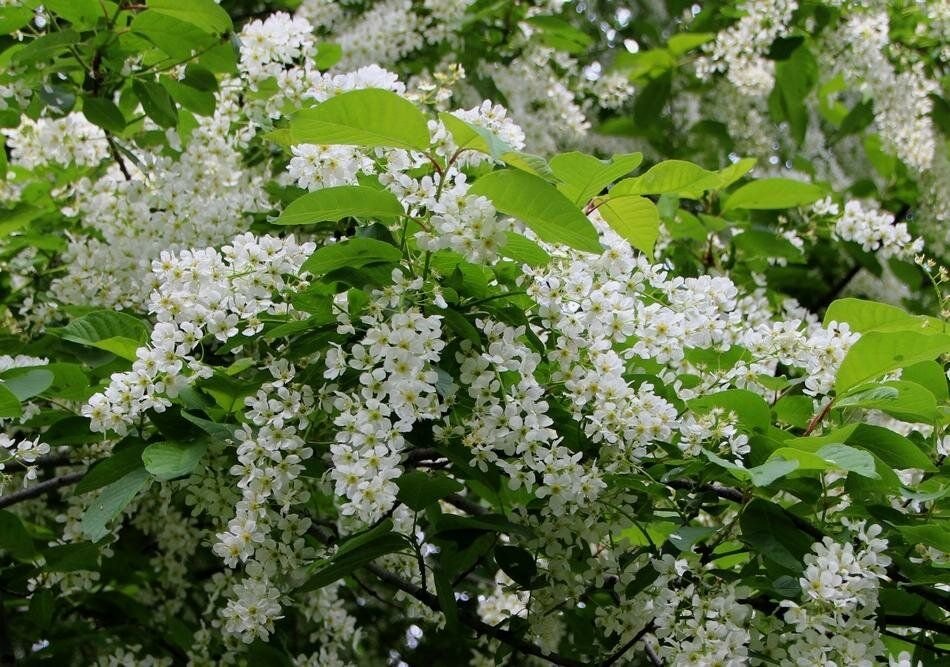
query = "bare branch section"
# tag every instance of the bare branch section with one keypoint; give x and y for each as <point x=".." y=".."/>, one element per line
<point x="40" y="489"/>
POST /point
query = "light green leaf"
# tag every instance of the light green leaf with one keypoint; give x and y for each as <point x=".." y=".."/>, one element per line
<point x="864" y="316"/>
<point x="168" y="460"/>
<point x="18" y="217"/>
<point x="750" y="409"/>
<point x="102" y="328"/>
<point x="583" y="176"/>
<point x="732" y="173"/>
<point x="336" y="203"/>
<point x="850" y="459"/>
<point x="177" y="38"/>
<point x="771" y="193"/>
<point x="687" y="41"/>
<point x="901" y="399"/>
<point x="472" y="137"/>
<point x="370" y="117"/>
<point x="9" y="404"/>
<point x="524" y="250"/>
<point x="25" y="384"/>
<point x="546" y="211"/>
<point x="354" y="253"/>
<point x="672" y="177"/>
<point x="635" y="218"/>
<point x="891" y="448"/>
<point x="206" y="14"/>
<point x="878" y="352"/>
<point x="111" y="501"/>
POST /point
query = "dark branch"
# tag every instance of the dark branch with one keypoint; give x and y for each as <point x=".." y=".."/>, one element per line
<point x="40" y="489"/>
<point x="472" y="621"/>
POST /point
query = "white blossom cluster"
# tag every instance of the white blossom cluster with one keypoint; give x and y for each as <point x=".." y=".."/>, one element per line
<point x="739" y="51"/>
<point x="875" y="230"/>
<point x="197" y="295"/>
<point x="66" y="141"/>
<point x="24" y="452"/>
<point x="269" y="46"/>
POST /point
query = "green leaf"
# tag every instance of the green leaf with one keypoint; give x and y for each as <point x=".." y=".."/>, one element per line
<point x="934" y="535"/>
<point x="878" y="352"/>
<point x="14" y="18"/>
<point x="14" y="539"/>
<point x="771" y="193"/>
<point x="123" y="461"/>
<point x="517" y="563"/>
<point x="446" y="596"/>
<point x="111" y="501"/>
<point x="524" y="250"/>
<point x="104" y="113"/>
<point x="561" y="35"/>
<point x="355" y="252"/>
<point x="9" y="404"/>
<point x="328" y="55"/>
<point x="930" y="375"/>
<point x="864" y="316"/>
<point x="672" y="177"/>
<point x="176" y="38"/>
<point x="732" y="173"/>
<point x="108" y="330"/>
<point x="18" y="217"/>
<point x="750" y="409"/>
<point x="205" y="14"/>
<point x="71" y="557"/>
<point x="850" y="459"/>
<point x="634" y="218"/>
<point x="418" y="490"/>
<point x="370" y="117"/>
<point x="546" y="211"/>
<point x="156" y="102"/>
<point x="761" y="475"/>
<point x="27" y="383"/>
<point x="892" y="448"/>
<point x="168" y="460"/>
<point x="336" y="203"/>
<point x="472" y="137"/>
<point x="350" y="557"/>
<point x="687" y="41"/>
<point x="47" y="46"/>
<point x="196" y="101"/>
<point x="772" y="533"/>
<point x="584" y="176"/>
<point x="901" y="399"/>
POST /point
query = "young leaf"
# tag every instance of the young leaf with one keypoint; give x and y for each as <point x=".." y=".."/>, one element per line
<point x="584" y="176"/>
<point x="418" y="490"/>
<point x="472" y="137"/>
<point x="101" y="328"/>
<point x="772" y="193"/>
<point x="336" y="203"/>
<point x="205" y="14"/>
<point x="672" y="177"/>
<point x="634" y="218"/>
<point x="355" y="252"/>
<point x="168" y="460"/>
<point x="546" y="211"/>
<point x="111" y="501"/>
<point x="370" y="117"/>
<point x="878" y="352"/>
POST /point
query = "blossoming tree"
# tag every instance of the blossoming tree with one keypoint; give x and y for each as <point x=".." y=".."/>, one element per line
<point x="439" y="331"/>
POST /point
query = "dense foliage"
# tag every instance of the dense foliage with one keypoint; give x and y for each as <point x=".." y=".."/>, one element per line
<point x="431" y="332"/>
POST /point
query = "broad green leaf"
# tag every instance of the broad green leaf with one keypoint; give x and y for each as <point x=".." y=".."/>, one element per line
<point x="930" y="375"/>
<point x="101" y="328"/>
<point x="901" y="399"/>
<point x="418" y="490"/>
<point x="370" y="117"/>
<point x="111" y="501"/>
<point x="18" y="217"/>
<point x="533" y="164"/>
<point x="635" y="218"/>
<point x="9" y="403"/>
<point x="123" y="461"/>
<point x="561" y="35"/>
<point x="750" y="409"/>
<point x="935" y="534"/>
<point x="156" y="102"/>
<point x="46" y="46"/>
<point x="583" y="177"/>
<point x="864" y="316"/>
<point x="892" y="448"/>
<point x="14" y="18"/>
<point x="850" y="459"/>
<point x="472" y="137"/>
<point x="524" y="250"/>
<point x="771" y="532"/>
<point x="176" y="38"/>
<point x="328" y="55"/>
<point x="546" y="211"/>
<point x="355" y="252"/>
<point x="84" y="13"/>
<point x="168" y="460"/>
<point x="119" y="346"/>
<point x="104" y="113"/>
<point x="355" y="552"/>
<point x="517" y="563"/>
<point x="336" y="203"/>
<point x="672" y="177"/>
<point x="25" y="384"/>
<point x="205" y="14"/>
<point x="761" y="475"/>
<point x="14" y="538"/>
<point x="687" y="41"/>
<point x="878" y="352"/>
<point x="197" y="101"/>
<point x="772" y="193"/>
<point x="732" y="173"/>
<point x="71" y="557"/>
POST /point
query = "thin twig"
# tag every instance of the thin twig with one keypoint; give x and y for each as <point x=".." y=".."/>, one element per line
<point x="472" y="620"/>
<point x="40" y="489"/>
